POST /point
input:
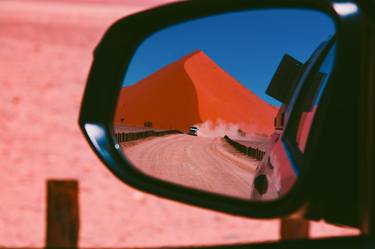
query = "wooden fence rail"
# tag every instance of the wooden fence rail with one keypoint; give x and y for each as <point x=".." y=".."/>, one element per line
<point x="250" y="151"/>
<point x="63" y="218"/>
<point x="131" y="136"/>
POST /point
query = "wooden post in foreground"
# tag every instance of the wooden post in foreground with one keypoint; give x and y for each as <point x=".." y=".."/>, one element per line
<point x="62" y="214"/>
<point x="291" y="229"/>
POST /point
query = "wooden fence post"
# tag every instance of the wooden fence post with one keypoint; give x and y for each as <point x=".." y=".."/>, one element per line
<point x="291" y="229"/>
<point x="62" y="214"/>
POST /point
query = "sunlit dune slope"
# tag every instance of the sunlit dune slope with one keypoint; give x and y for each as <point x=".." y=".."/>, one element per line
<point x="190" y="91"/>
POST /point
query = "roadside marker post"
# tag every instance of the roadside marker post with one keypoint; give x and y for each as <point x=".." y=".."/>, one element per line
<point x="62" y="214"/>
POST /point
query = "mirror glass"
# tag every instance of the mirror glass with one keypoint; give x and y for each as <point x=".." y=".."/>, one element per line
<point x="202" y="102"/>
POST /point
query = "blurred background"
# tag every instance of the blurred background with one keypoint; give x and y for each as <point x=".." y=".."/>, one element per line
<point x="46" y="50"/>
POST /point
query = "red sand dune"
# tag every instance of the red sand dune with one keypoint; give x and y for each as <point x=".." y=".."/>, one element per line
<point x="190" y="91"/>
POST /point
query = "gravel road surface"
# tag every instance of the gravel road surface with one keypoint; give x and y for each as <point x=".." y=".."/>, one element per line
<point x="210" y="164"/>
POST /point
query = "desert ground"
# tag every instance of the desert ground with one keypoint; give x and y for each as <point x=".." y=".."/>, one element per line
<point x="46" y="51"/>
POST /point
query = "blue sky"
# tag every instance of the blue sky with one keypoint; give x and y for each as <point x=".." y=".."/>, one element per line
<point x="248" y="45"/>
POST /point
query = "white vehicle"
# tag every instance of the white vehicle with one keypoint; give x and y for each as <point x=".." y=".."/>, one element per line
<point x="193" y="131"/>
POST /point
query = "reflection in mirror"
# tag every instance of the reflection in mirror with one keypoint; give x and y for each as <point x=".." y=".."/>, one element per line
<point x="202" y="103"/>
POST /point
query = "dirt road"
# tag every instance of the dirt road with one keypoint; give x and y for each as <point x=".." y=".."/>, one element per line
<point x="203" y="163"/>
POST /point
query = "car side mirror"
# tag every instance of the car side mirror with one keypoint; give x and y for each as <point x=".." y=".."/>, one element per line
<point x="217" y="104"/>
